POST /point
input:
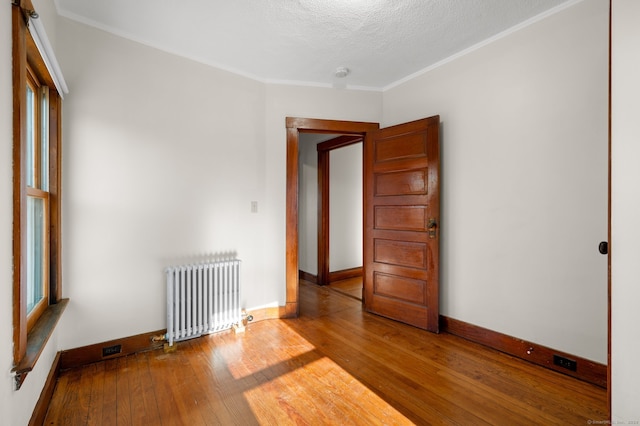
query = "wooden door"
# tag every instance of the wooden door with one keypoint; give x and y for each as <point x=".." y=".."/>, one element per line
<point x="401" y="222"/>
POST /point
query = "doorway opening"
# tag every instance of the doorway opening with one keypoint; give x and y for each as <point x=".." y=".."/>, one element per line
<point x="295" y="126"/>
<point x="331" y="211"/>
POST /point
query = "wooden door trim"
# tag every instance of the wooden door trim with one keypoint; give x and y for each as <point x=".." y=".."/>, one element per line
<point x="294" y="126"/>
<point x="323" y="216"/>
<point x="324" y="180"/>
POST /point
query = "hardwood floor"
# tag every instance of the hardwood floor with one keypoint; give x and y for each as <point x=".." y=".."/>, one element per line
<point x="333" y="365"/>
<point x="350" y="287"/>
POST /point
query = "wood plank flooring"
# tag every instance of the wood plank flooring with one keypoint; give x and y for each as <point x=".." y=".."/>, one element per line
<point x="333" y="365"/>
<point x="350" y="287"/>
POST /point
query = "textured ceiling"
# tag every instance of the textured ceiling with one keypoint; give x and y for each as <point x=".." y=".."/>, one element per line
<point x="304" y="41"/>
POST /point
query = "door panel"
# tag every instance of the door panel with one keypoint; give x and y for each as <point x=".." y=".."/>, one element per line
<point x="401" y="146"/>
<point x="401" y="218"/>
<point x="409" y="182"/>
<point x="400" y="253"/>
<point x="413" y="291"/>
<point x="402" y="213"/>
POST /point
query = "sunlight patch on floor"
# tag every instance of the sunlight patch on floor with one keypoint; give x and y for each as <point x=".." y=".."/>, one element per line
<point x="290" y="381"/>
<point x="320" y="392"/>
<point x="274" y="354"/>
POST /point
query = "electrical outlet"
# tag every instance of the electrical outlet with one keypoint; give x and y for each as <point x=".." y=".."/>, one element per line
<point x="563" y="362"/>
<point x="111" y="350"/>
<point x="254" y="207"/>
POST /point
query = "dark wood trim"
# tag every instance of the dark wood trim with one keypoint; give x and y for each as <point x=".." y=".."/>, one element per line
<point x="84" y="355"/>
<point x="37" y="339"/>
<point x="40" y="410"/>
<point x="338" y="142"/>
<point x="268" y="313"/>
<point x="55" y="197"/>
<point x="308" y="277"/>
<point x="345" y="274"/>
<point x="333" y="276"/>
<point x="323" y="234"/>
<point x="294" y="126"/>
<point x="587" y="370"/>
<point x="317" y="125"/>
<point x="19" y="188"/>
<point x="293" y="150"/>
<point x="25" y="5"/>
<point x="36" y="63"/>
<point x="291" y="310"/>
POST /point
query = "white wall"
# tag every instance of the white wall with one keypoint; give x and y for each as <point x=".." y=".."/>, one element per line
<point x="163" y="157"/>
<point x="524" y="179"/>
<point x="345" y="206"/>
<point x="6" y="206"/>
<point x="625" y="211"/>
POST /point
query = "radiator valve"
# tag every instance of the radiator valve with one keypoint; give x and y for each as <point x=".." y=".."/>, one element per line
<point x="159" y="338"/>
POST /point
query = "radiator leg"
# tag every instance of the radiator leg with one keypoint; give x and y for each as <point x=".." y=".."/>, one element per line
<point x="170" y="348"/>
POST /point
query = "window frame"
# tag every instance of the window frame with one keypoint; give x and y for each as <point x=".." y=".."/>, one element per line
<point x="38" y="190"/>
<point x="31" y="332"/>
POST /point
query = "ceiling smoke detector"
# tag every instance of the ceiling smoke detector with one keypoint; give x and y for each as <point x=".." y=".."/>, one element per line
<point x="342" y="72"/>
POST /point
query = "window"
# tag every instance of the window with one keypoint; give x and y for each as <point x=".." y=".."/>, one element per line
<point x="36" y="185"/>
<point x="37" y="173"/>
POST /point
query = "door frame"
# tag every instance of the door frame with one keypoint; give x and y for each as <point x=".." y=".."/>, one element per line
<point x="294" y="126"/>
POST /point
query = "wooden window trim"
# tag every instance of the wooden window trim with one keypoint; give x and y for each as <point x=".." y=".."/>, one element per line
<point x="29" y="341"/>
